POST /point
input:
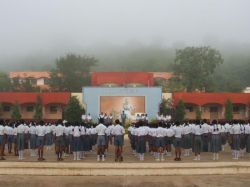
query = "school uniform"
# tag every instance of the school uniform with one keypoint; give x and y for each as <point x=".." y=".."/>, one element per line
<point x="33" y="141"/>
<point x="160" y="134"/>
<point x="236" y="131"/>
<point x="101" y="130"/>
<point x="21" y="137"/>
<point x="133" y="132"/>
<point x="83" y="139"/>
<point x="169" y="136"/>
<point x="49" y="135"/>
<point x="111" y="127"/>
<point x="247" y="132"/>
<point x="14" y="133"/>
<point x="67" y="135"/>
<point x="89" y="118"/>
<point x="242" y="137"/>
<point x="105" y="120"/>
<point x="178" y="137"/>
<point x="186" y="142"/>
<point x="59" y="131"/>
<point x="2" y="133"/>
<point x="197" y="133"/>
<point x="158" y="118"/>
<point x="168" y="118"/>
<point x="223" y="135"/>
<point x="141" y="140"/>
<point x="84" y="118"/>
<point x="206" y="129"/>
<point x="215" y="144"/>
<point x="138" y="118"/>
<point x="76" y="138"/>
<point x="27" y="136"/>
<point x="9" y="131"/>
<point x="110" y="118"/>
<point x="88" y="143"/>
<point x="40" y="132"/>
<point x="118" y="132"/>
<point x="227" y="132"/>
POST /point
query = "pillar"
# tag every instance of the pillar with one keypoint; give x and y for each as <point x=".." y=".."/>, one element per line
<point x="223" y="111"/>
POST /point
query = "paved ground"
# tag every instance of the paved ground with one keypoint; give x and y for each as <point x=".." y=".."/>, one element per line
<point x="128" y="156"/>
<point x="156" y="181"/>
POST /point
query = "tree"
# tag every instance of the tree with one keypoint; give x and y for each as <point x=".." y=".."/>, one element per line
<point x="74" y="110"/>
<point x="4" y="82"/>
<point x="38" y="109"/>
<point x="195" y="64"/>
<point x="180" y="111"/>
<point x="198" y="113"/>
<point x="16" y="115"/>
<point x="71" y="73"/>
<point x="229" y="110"/>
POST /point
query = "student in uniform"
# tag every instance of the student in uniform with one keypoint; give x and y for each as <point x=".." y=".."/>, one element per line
<point x="223" y="136"/>
<point x="89" y="118"/>
<point x="247" y="139"/>
<point x="206" y="131"/>
<point x="33" y="139"/>
<point x="169" y="139"/>
<point x="67" y="139"/>
<point x="15" y="139"/>
<point x="235" y="139"/>
<point x="215" y="142"/>
<point x="3" y="138"/>
<point x="77" y="141"/>
<point x="101" y="116"/>
<point x="49" y="135"/>
<point x="158" y="117"/>
<point x="111" y="127"/>
<point x="186" y="142"/>
<point x="242" y="138"/>
<point x="197" y="140"/>
<point x="84" y="118"/>
<point x="83" y="140"/>
<point x="21" y="139"/>
<point x="60" y="139"/>
<point x="140" y="141"/>
<point x="41" y="139"/>
<point x="105" y="119"/>
<point x="138" y="118"/>
<point x="101" y="137"/>
<point x="178" y="133"/>
<point x="9" y="132"/>
<point x="160" y="141"/>
<point x="146" y="118"/>
<point x="118" y="133"/>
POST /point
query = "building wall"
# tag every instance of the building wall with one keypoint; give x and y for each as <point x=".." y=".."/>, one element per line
<point x="167" y="96"/>
<point x="26" y="114"/>
<point x="40" y="81"/>
<point x="58" y="115"/>
<point x="79" y="97"/>
<point x="3" y="114"/>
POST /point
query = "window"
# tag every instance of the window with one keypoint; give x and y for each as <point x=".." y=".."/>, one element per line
<point x="213" y="109"/>
<point x="33" y="81"/>
<point x="53" y="110"/>
<point x="236" y="110"/>
<point x="46" y="81"/>
<point x="30" y="108"/>
<point x="6" y="108"/>
<point x="189" y="109"/>
<point x="202" y="109"/>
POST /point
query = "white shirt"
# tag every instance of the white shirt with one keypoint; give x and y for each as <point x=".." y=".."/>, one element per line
<point x="84" y="117"/>
<point x="9" y="131"/>
<point x="26" y="129"/>
<point x="101" y="116"/>
<point x="2" y="130"/>
<point x="48" y="129"/>
<point x="59" y="130"/>
<point x="160" y="132"/>
<point x="247" y="130"/>
<point x="141" y="131"/>
<point x="169" y="133"/>
<point x="101" y="129"/>
<point x="83" y="131"/>
<point x="89" y="118"/>
<point x="197" y="130"/>
<point x="41" y="130"/>
<point x="158" y="117"/>
<point x="14" y="131"/>
<point x="178" y="132"/>
<point x="76" y="132"/>
<point x="236" y="129"/>
<point x="205" y="128"/>
<point x="215" y="129"/>
<point x="66" y="130"/>
<point x="32" y="130"/>
<point x="21" y="129"/>
<point x="187" y="129"/>
<point x="118" y="130"/>
<point x="222" y="129"/>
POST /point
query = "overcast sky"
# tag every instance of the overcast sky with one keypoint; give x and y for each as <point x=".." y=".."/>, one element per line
<point x="33" y="25"/>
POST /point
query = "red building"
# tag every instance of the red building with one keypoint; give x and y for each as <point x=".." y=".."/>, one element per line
<point x="53" y="104"/>
<point x="213" y="104"/>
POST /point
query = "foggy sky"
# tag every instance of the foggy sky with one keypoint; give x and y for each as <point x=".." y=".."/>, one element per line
<point x="29" y="26"/>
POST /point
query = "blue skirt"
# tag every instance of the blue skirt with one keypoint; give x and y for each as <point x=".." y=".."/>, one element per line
<point x="33" y="143"/>
<point x="2" y="141"/>
<point x="248" y="144"/>
<point x="242" y="141"/>
<point x="20" y="142"/>
<point x="49" y="139"/>
<point x="223" y="138"/>
<point x="215" y="144"/>
<point x="77" y="143"/>
<point x="197" y="146"/>
<point x="186" y="142"/>
<point x="15" y="139"/>
<point x="87" y="144"/>
<point x="236" y="142"/>
<point x="141" y="145"/>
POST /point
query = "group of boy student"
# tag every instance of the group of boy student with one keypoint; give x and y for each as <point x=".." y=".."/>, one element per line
<point x="196" y="136"/>
<point x="142" y="117"/>
<point x="163" y="117"/>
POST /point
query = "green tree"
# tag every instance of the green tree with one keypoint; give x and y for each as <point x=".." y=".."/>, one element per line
<point x="180" y="111"/>
<point x="71" y="73"/>
<point x="198" y="113"/>
<point x="74" y="110"/>
<point x="38" y="109"/>
<point x="229" y="110"/>
<point x="163" y="106"/>
<point x="4" y="82"/>
<point x="195" y="64"/>
<point x="16" y="115"/>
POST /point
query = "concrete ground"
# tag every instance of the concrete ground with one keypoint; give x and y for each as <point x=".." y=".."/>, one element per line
<point x="148" y="181"/>
<point x="50" y="156"/>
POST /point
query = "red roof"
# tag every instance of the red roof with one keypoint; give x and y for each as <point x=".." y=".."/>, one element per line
<point x="121" y="78"/>
<point x="31" y="97"/>
<point x="26" y="74"/>
<point x="205" y="98"/>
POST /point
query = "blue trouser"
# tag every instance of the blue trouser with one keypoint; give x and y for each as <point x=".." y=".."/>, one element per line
<point x="205" y="142"/>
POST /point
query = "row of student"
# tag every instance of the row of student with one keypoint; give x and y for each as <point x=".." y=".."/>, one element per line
<point x="160" y="138"/>
<point x="76" y="137"/>
<point x="163" y="117"/>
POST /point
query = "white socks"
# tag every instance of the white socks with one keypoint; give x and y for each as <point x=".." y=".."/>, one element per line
<point x="98" y="158"/>
<point x="215" y="156"/>
<point x="223" y="148"/>
<point x="162" y="157"/>
<point x="103" y="158"/>
<point x="74" y="155"/>
<point x="21" y="155"/>
<point x="195" y="158"/>
<point x="78" y="155"/>
<point x="199" y="157"/>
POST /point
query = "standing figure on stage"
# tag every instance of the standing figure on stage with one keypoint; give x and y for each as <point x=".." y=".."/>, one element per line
<point x="123" y="117"/>
<point x="84" y="118"/>
<point x="105" y="119"/>
<point x="89" y="118"/>
<point x="158" y="117"/>
<point x="110" y="119"/>
<point x="101" y="116"/>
